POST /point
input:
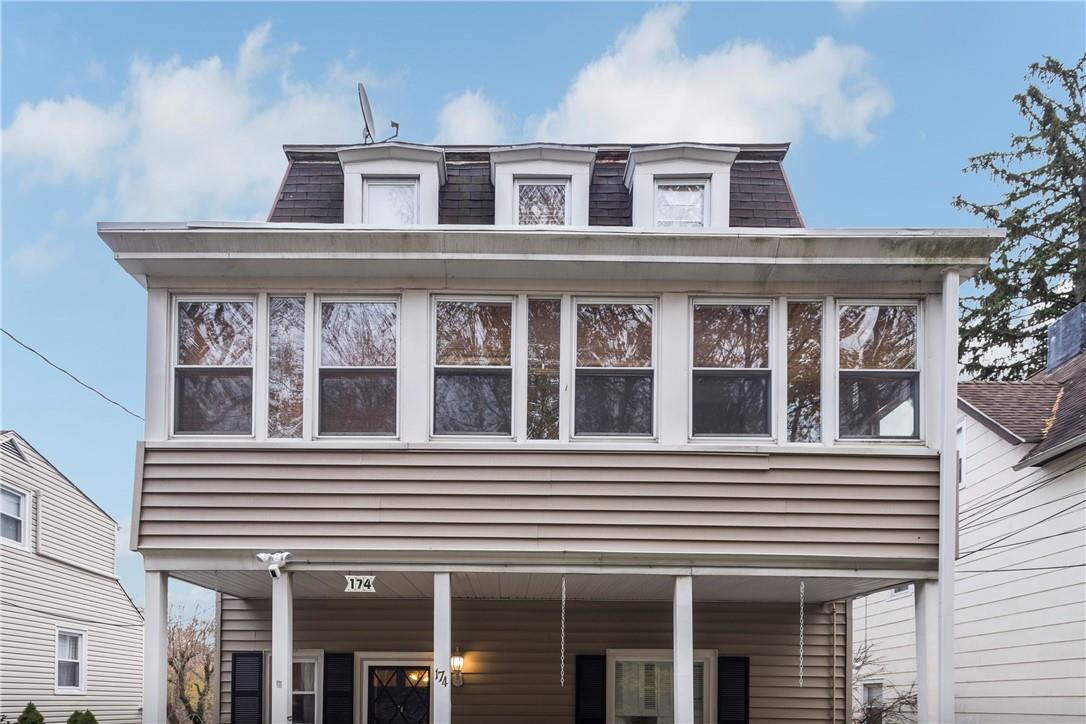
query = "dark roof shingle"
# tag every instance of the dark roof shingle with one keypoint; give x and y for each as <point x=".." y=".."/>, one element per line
<point x="1024" y="408"/>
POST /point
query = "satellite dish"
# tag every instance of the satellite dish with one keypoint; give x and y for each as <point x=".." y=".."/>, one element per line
<point x="367" y="113"/>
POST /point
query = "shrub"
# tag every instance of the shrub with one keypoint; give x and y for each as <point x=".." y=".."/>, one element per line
<point x="82" y="717"/>
<point x="30" y="715"/>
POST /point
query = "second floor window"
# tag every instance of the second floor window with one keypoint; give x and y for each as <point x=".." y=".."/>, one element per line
<point x="542" y="202"/>
<point x="681" y="203"/>
<point x="731" y="376"/>
<point x="358" y="350"/>
<point x="213" y="371"/>
<point x="615" y="375"/>
<point x="391" y="202"/>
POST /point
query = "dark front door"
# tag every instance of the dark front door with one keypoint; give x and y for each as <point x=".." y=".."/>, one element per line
<point x="399" y="695"/>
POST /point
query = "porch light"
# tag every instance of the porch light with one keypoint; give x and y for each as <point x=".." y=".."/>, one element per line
<point x="456" y="667"/>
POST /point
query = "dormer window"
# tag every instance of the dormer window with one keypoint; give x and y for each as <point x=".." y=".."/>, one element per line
<point x="542" y="202"/>
<point x="391" y="184"/>
<point x="682" y="203"/>
<point x="390" y="201"/>
<point x="680" y="186"/>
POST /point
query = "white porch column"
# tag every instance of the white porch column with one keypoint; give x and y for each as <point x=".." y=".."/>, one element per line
<point x="682" y="650"/>
<point x="926" y="602"/>
<point x="282" y="652"/>
<point x="948" y="498"/>
<point x="442" y="713"/>
<point x="156" y="612"/>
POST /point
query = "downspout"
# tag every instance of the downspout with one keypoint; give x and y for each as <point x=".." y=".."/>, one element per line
<point x="948" y="484"/>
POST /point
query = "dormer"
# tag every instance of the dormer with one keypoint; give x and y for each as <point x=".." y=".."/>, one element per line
<point x="391" y="184"/>
<point x="541" y="184"/>
<point x="680" y="185"/>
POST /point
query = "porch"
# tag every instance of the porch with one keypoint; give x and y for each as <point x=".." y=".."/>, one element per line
<point x="630" y="645"/>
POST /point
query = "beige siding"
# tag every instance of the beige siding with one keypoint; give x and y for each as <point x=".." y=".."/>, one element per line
<point x="512" y="648"/>
<point x="881" y="509"/>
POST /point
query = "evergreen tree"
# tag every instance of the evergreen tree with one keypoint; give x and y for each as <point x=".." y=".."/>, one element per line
<point x="1039" y="271"/>
<point x="30" y="715"/>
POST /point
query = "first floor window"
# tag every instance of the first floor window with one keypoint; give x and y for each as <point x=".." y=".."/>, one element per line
<point x="681" y="203"/>
<point x="473" y="367"/>
<point x="543" y="202"/>
<point x="304" y="692"/>
<point x="391" y="202"/>
<point x="643" y="694"/>
<point x="731" y="375"/>
<point x="13" y="515"/>
<point x="615" y="369"/>
<point x="358" y="353"/>
<point x="70" y="660"/>
<point x="213" y="367"/>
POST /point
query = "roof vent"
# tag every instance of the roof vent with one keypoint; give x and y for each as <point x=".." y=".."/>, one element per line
<point x="1067" y="337"/>
<point x="10" y="446"/>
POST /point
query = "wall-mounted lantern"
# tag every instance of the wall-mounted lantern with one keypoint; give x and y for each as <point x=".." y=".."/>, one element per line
<point x="456" y="668"/>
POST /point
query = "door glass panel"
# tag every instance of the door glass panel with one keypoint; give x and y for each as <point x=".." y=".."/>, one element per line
<point x="398" y="695"/>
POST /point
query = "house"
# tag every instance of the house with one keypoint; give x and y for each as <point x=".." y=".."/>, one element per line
<point x="543" y="433"/>
<point x="1020" y="584"/>
<point x="70" y="637"/>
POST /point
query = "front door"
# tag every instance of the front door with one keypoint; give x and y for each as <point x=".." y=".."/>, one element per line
<point x="398" y="695"/>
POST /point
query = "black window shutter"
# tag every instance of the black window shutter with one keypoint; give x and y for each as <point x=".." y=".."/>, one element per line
<point x="732" y="690"/>
<point x="338" y="688"/>
<point x="590" y="696"/>
<point x="246" y="688"/>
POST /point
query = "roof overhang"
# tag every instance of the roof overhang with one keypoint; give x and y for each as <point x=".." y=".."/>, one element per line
<point x="706" y="153"/>
<point x="574" y="155"/>
<point x="989" y="422"/>
<point x="393" y="151"/>
<point x="1055" y="451"/>
<point x="252" y="249"/>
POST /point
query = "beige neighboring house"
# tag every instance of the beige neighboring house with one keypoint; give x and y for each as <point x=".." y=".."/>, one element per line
<point x="70" y="637"/>
<point x="543" y="434"/>
<point x="1020" y="586"/>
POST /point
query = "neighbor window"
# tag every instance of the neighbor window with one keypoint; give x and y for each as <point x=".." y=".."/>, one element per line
<point x="213" y="372"/>
<point x="544" y="342"/>
<point x="804" y="371"/>
<point x="14" y="515"/>
<point x="542" y="202"/>
<point x="286" y="366"/>
<point x="391" y="202"/>
<point x="879" y="373"/>
<point x="71" y="661"/>
<point x="358" y="350"/>
<point x="473" y="367"/>
<point x="681" y="203"/>
<point x="303" y="698"/>
<point x="641" y="688"/>
<point x="615" y="369"/>
<point x="873" y="705"/>
<point x="731" y="375"/>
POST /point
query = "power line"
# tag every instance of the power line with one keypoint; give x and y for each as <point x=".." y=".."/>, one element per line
<point x="1039" y="568"/>
<point x="992" y="546"/>
<point x="61" y="369"/>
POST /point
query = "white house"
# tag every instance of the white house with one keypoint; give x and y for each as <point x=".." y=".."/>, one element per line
<point x="1020" y="586"/>
<point x="70" y="637"/>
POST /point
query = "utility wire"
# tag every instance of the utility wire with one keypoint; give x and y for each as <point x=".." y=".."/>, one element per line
<point x="1023" y="542"/>
<point x="1039" y="568"/>
<point x="61" y="369"/>
<point x="1057" y="514"/>
<point x="980" y="523"/>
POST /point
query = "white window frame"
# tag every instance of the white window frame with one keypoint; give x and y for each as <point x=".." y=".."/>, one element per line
<point x="84" y="644"/>
<point x="363" y="660"/>
<point x="370" y="181"/>
<point x="918" y="369"/>
<point x="314" y="384"/>
<point x="703" y="181"/>
<point x="26" y="508"/>
<point x="519" y="181"/>
<point x="514" y="365"/>
<point x="775" y="362"/>
<point x="259" y="353"/>
<point x="315" y="657"/>
<point x="706" y="657"/>
<point x="894" y="594"/>
<point x="571" y="389"/>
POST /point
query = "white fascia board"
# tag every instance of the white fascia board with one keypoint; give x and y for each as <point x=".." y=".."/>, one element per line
<point x="1043" y="457"/>
<point x="990" y="422"/>
<point x="576" y="155"/>
<point x="724" y="155"/>
<point x="393" y="151"/>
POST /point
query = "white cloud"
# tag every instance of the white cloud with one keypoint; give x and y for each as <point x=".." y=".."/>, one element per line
<point x="187" y="140"/>
<point x="646" y="89"/>
<point x="470" y="118"/>
<point x="850" y="8"/>
<point x="38" y="257"/>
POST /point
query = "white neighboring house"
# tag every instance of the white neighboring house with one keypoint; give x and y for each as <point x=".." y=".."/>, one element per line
<point x="70" y="637"/>
<point x="1020" y="584"/>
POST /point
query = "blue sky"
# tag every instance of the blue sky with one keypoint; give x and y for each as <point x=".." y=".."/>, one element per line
<point x="177" y="111"/>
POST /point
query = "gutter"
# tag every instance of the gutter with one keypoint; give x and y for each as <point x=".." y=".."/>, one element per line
<point x="1066" y="446"/>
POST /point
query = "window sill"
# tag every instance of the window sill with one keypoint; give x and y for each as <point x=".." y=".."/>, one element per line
<point x="68" y="691"/>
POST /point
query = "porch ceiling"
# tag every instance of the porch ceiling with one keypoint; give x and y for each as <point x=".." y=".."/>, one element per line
<point x="537" y="586"/>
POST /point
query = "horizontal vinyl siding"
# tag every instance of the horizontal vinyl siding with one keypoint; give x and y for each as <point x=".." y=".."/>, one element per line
<point x="511" y="648"/>
<point x="708" y="504"/>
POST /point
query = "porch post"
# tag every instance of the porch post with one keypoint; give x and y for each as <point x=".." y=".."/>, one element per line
<point x="282" y="651"/>
<point x="442" y="713"/>
<point x="683" y="649"/>
<point x="948" y="499"/>
<point x="155" y="619"/>
<point x="926" y="603"/>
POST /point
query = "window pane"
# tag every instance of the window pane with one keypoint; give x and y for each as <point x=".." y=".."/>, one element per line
<point x="731" y="335"/>
<point x="474" y="333"/>
<point x="286" y="365"/>
<point x="12" y="503"/>
<point x="68" y="673"/>
<point x="613" y="404"/>
<point x="614" y="335"/>
<point x="68" y="646"/>
<point x="391" y="204"/>
<point x="303" y="708"/>
<point x="681" y="205"/>
<point x="357" y="401"/>
<point x="730" y="404"/>
<point x="303" y="674"/>
<point x="804" y="372"/>
<point x="878" y="405"/>
<point x="878" y="337"/>
<point x="218" y="334"/>
<point x="541" y="204"/>
<point x="358" y="334"/>
<point x="544" y="341"/>
<point x="472" y="402"/>
<point x="11" y="528"/>
<point x="214" y="401"/>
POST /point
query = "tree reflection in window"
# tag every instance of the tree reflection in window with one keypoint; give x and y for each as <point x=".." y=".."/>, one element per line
<point x="286" y="366"/>
<point x="615" y="376"/>
<point x="213" y="376"/>
<point x="473" y="374"/>
<point x="358" y="368"/>
<point x="804" y="371"/>
<point x="544" y="341"/>
<point x="731" y="377"/>
<point x="540" y="203"/>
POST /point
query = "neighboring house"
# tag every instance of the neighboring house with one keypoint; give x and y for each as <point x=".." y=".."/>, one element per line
<point x="1020" y="591"/>
<point x="597" y="418"/>
<point x="70" y="637"/>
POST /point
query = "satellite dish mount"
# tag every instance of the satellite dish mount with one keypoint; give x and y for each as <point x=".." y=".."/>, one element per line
<point x="367" y="118"/>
